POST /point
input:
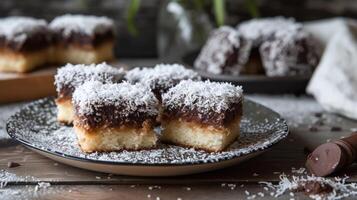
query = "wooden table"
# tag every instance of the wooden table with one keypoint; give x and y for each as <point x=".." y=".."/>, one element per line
<point x="29" y="181"/>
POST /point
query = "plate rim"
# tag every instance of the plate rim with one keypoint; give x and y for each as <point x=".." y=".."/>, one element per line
<point x="83" y="159"/>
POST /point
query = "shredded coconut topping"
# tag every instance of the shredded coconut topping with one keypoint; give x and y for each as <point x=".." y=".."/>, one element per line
<point x="87" y="24"/>
<point x="291" y="52"/>
<point x="162" y="76"/>
<point x="19" y="28"/>
<point x="135" y="98"/>
<point x="222" y="44"/>
<point x="203" y="96"/>
<point x="71" y="76"/>
<point x="259" y="30"/>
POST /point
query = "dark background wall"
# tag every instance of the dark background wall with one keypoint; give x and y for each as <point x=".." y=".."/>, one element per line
<point x="144" y="45"/>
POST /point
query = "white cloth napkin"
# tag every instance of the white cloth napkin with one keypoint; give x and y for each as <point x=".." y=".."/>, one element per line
<point x="334" y="82"/>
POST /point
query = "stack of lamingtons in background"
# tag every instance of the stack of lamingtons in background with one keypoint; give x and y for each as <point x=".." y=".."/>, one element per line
<point x="28" y="44"/>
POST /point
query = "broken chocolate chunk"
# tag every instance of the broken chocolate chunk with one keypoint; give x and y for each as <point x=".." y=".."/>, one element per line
<point x="12" y="164"/>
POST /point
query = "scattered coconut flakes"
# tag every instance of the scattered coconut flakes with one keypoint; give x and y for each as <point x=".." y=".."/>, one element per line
<point x="301" y="170"/>
<point x="232" y="186"/>
<point x="340" y="189"/>
<point x="303" y="108"/>
<point x="42" y="185"/>
<point x="154" y="187"/>
<point x="7" y="177"/>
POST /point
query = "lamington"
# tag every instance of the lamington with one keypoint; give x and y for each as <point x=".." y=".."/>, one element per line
<point x="25" y="44"/>
<point x="113" y="117"/>
<point x="161" y="77"/>
<point x="225" y="52"/>
<point x="81" y="39"/>
<point x="203" y="115"/>
<point x="285" y="48"/>
<point x="292" y="52"/>
<point x="69" y="77"/>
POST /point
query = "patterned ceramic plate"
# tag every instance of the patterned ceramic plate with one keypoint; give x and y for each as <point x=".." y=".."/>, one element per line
<point x="36" y="127"/>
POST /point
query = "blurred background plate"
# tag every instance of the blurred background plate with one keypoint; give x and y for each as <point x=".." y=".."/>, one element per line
<point x="255" y="83"/>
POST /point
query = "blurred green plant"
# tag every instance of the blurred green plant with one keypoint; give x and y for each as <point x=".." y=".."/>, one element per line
<point x="219" y="10"/>
<point x="131" y="13"/>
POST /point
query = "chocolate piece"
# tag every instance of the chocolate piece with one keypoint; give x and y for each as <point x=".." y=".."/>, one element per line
<point x="208" y="103"/>
<point x="313" y="129"/>
<point x="336" y="128"/>
<point x="314" y="187"/>
<point x="12" y="164"/>
<point x="332" y="156"/>
<point x="113" y="105"/>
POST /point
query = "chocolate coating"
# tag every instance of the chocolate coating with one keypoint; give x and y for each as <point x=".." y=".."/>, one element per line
<point x="106" y="116"/>
<point x="211" y="118"/>
<point x="82" y="39"/>
<point x="38" y="41"/>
